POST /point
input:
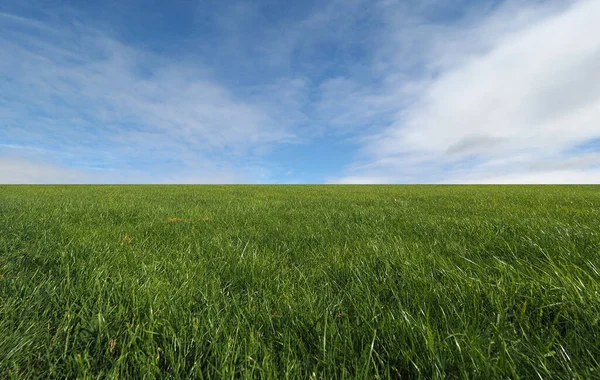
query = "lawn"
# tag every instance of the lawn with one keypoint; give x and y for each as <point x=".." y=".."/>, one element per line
<point x="300" y="281"/>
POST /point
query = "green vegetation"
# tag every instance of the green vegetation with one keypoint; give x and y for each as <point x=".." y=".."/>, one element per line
<point x="300" y="281"/>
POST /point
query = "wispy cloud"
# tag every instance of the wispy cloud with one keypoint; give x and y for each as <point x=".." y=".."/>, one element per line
<point x="78" y="92"/>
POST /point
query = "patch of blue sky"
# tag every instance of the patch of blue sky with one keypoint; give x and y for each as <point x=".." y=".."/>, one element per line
<point x="325" y="157"/>
<point x="589" y="146"/>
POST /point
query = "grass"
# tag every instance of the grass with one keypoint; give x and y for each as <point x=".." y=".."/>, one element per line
<point x="300" y="281"/>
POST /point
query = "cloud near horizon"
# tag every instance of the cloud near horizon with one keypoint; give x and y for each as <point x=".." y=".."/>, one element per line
<point x="338" y="92"/>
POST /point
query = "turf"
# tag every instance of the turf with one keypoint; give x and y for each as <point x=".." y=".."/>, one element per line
<point x="300" y="281"/>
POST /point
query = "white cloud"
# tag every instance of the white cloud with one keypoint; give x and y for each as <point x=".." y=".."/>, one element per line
<point x="16" y="171"/>
<point x="560" y="177"/>
<point x="19" y="170"/>
<point x="501" y="101"/>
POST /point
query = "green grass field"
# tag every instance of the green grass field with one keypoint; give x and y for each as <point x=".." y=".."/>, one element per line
<point x="300" y="281"/>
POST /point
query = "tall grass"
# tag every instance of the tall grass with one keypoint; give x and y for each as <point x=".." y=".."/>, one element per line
<point x="300" y="281"/>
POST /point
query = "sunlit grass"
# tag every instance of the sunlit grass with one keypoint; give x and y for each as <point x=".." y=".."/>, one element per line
<point x="300" y="281"/>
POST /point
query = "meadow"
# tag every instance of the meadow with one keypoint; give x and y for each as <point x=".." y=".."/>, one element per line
<point x="300" y="281"/>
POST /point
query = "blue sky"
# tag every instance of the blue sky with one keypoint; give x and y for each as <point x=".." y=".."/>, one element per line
<point x="351" y="91"/>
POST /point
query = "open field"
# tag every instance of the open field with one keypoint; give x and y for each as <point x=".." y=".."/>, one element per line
<point x="300" y="281"/>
